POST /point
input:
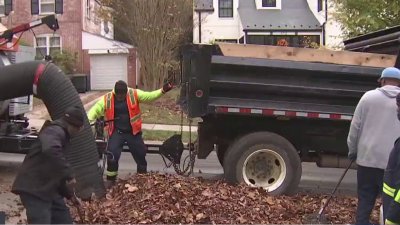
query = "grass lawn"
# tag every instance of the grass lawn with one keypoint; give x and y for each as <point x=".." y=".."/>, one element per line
<point x="158" y="135"/>
<point x="165" y="111"/>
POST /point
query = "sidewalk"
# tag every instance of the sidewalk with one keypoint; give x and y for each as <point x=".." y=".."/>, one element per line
<point x="37" y="124"/>
<point x="40" y="111"/>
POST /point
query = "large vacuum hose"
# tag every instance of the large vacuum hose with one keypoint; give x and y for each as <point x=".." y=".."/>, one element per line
<point x="47" y="82"/>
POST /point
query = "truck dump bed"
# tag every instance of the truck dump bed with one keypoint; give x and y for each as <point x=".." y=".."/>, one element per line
<point x="232" y="78"/>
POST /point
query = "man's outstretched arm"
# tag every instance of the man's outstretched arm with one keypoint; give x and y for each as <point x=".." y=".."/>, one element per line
<point x="149" y="96"/>
<point x="96" y="111"/>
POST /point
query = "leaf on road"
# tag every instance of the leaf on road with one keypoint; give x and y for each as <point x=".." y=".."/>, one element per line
<point x="172" y="199"/>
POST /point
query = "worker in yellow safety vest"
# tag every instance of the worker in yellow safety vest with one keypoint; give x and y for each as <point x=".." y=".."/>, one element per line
<point x="122" y="107"/>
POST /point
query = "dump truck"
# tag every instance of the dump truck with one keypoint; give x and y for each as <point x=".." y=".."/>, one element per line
<point x="267" y="109"/>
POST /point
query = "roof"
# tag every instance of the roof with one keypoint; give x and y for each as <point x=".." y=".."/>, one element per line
<point x="371" y="35"/>
<point x="385" y="41"/>
<point x="294" y="15"/>
<point x="97" y="42"/>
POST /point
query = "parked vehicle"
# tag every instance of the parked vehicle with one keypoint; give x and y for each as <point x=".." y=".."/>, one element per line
<point x="266" y="109"/>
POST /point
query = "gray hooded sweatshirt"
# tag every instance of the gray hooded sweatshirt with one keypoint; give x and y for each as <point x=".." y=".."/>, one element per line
<point x="374" y="127"/>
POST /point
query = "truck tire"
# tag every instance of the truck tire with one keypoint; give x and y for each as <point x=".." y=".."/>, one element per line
<point x="264" y="159"/>
<point x="221" y="150"/>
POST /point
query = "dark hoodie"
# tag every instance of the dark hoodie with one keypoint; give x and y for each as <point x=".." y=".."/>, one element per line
<point x="391" y="186"/>
<point x="391" y="181"/>
<point x="45" y="169"/>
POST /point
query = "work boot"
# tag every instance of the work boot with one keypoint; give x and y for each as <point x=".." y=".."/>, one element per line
<point x="141" y="169"/>
<point x="109" y="183"/>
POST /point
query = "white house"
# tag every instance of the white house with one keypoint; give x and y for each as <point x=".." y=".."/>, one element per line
<point x="296" y="23"/>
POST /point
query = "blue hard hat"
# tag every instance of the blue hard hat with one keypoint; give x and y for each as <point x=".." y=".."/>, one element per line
<point x="390" y="72"/>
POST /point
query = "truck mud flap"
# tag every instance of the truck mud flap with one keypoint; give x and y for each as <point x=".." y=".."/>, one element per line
<point x="47" y="82"/>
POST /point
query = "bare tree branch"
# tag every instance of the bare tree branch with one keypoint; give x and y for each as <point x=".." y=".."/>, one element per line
<point x="158" y="28"/>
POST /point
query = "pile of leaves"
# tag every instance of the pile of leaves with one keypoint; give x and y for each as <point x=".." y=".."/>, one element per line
<point x="170" y="199"/>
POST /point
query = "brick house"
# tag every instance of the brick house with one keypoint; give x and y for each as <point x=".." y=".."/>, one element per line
<point x="81" y="32"/>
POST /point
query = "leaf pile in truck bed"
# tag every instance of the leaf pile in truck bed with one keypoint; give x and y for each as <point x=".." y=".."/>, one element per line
<point x="170" y="199"/>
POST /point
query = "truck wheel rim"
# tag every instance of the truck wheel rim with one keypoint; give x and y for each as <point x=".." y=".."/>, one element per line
<point x="264" y="168"/>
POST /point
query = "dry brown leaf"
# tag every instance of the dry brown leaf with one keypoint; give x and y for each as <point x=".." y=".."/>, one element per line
<point x="252" y="195"/>
<point x="172" y="199"/>
<point x="207" y="193"/>
<point x="270" y="201"/>
<point x="199" y="216"/>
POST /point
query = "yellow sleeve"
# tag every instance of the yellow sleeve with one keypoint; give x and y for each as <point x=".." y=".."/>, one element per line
<point x="96" y="111"/>
<point x="148" y="96"/>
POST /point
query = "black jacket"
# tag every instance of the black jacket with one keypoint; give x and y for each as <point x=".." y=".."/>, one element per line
<point x="45" y="169"/>
<point x="391" y="186"/>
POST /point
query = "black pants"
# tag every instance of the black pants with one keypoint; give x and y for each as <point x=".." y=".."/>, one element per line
<point x="369" y="187"/>
<point x="136" y="147"/>
<point x="39" y="211"/>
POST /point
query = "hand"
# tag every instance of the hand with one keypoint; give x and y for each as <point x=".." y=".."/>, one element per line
<point x="167" y="87"/>
<point x="67" y="188"/>
<point x="71" y="182"/>
<point x="352" y="156"/>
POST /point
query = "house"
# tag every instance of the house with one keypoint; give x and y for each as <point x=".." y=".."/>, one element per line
<point x="81" y="33"/>
<point x="295" y="23"/>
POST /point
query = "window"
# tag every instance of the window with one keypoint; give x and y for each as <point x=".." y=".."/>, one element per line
<point x="47" y="6"/>
<point x="303" y="41"/>
<point x="88" y="9"/>
<point x="225" y="8"/>
<point x="320" y="5"/>
<point x="5" y="7"/>
<point x="269" y="3"/>
<point x="2" y="8"/>
<point x="47" y="44"/>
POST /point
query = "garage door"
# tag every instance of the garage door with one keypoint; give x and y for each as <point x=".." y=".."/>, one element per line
<point x="105" y="70"/>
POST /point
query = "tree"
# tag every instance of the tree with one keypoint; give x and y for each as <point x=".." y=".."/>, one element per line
<point x="66" y="60"/>
<point x="363" y="16"/>
<point x="158" y="28"/>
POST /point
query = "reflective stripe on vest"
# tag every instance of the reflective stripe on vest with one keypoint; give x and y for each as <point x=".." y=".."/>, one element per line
<point x="108" y="101"/>
<point x="136" y="118"/>
<point x="134" y="111"/>
<point x="132" y="96"/>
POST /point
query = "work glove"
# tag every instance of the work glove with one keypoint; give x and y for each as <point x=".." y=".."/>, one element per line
<point x="167" y="87"/>
<point x="67" y="188"/>
<point x="352" y="156"/>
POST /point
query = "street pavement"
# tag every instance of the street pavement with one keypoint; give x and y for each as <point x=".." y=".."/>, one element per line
<point x="313" y="180"/>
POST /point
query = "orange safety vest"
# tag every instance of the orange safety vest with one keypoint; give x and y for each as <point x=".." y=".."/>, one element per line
<point x="133" y="108"/>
